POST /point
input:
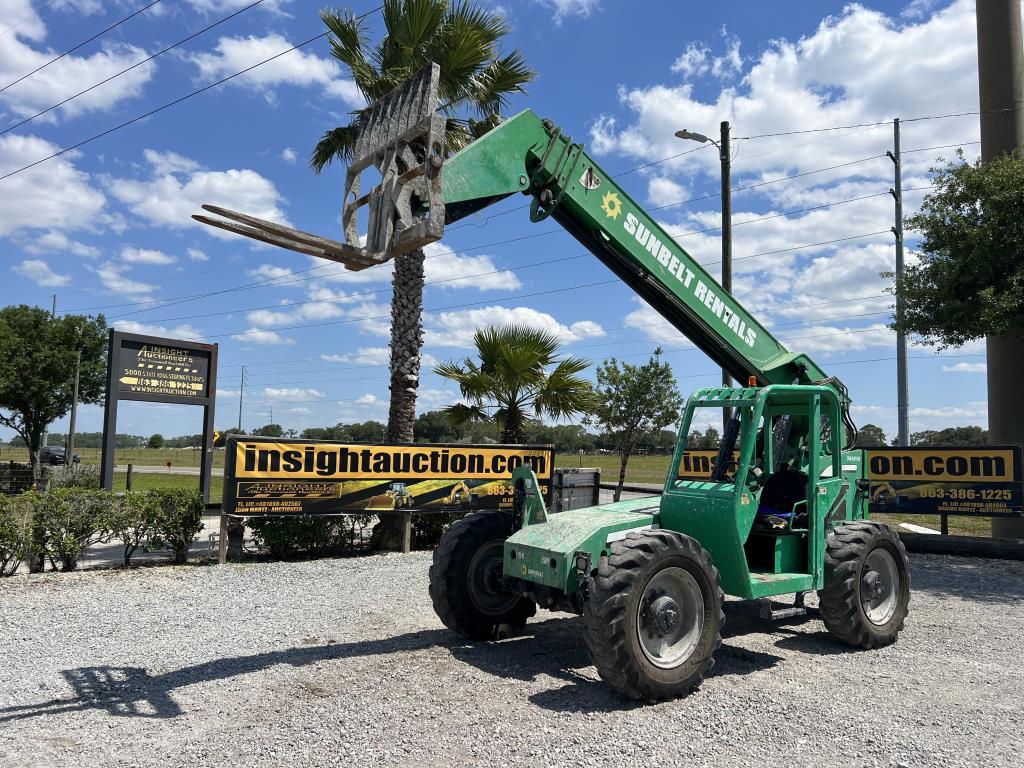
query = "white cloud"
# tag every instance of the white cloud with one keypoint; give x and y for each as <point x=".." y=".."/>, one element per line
<point x="563" y="9"/>
<point x="113" y="278"/>
<point x="131" y="255"/>
<point x="183" y="331"/>
<point x="368" y="399"/>
<point x="263" y="337"/>
<point x="664" y="191"/>
<point x="66" y="76"/>
<point x="196" y="255"/>
<point x="39" y="272"/>
<point x="966" y="368"/>
<point x="693" y="61"/>
<point x="363" y="356"/>
<point x="456" y="329"/>
<point x="269" y="272"/>
<point x="444" y="266"/>
<point x="297" y="68"/>
<point x="288" y="155"/>
<point x="54" y="196"/>
<point x="54" y="241"/>
<point x="291" y="393"/>
<point x="174" y="193"/>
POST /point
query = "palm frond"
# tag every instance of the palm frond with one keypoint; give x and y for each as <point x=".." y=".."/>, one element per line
<point x="336" y="144"/>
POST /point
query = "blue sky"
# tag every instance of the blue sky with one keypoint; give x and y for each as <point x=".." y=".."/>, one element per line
<point x="107" y="227"/>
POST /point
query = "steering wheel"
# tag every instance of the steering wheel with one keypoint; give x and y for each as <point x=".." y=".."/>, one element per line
<point x="724" y="471"/>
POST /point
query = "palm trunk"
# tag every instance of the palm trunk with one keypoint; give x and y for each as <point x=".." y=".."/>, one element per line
<point x="513" y="432"/>
<point x="406" y="342"/>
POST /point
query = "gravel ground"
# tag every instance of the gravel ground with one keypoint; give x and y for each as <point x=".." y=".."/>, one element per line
<point x="343" y="662"/>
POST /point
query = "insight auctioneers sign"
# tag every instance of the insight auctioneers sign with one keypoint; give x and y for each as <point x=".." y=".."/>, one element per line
<point x="273" y="476"/>
<point x="159" y="370"/>
<point x="171" y="372"/>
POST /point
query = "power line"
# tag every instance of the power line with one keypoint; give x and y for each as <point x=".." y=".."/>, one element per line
<point x="172" y="103"/>
<point x="874" y="125"/>
<point x="118" y="74"/>
<point x="84" y="42"/>
<point x="769" y="181"/>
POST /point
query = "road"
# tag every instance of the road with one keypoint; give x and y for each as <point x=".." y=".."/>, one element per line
<point x="157" y="470"/>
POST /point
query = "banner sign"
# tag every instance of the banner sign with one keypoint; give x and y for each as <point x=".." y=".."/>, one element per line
<point x="982" y="481"/>
<point x="698" y="465"/>
<point x="276" y="476"/>
<point x="953" y="481"/>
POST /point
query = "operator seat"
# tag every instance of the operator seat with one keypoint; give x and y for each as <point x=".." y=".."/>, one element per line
<point x="781" y="491"/>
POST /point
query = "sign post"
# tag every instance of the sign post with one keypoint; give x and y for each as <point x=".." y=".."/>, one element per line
<point x="157" y="370"/>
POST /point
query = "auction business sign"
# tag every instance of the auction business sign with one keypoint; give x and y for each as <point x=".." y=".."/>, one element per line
<point x="159" y="370"/>
<point x="955" y="481"/>
<point x="276" y="476"/>
<point x="164" y="369"/>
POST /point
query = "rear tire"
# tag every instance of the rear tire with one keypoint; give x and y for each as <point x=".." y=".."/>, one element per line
<point x="465" y="579"/>
<point x="867" y="584"/>
<point x="654" y="615"/>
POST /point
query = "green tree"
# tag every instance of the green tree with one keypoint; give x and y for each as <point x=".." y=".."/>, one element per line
<point x="958" y="436"/>
<point x="269" y="430"/>
<point x="709" y="440"/>
<point x="969" y="281"/>
<point x="477" y="79"/>
<point x="518" y="372"/>
<point x="156" y="440"/>
<point x="634" y="401"/>
<point x="38" y="354"/>
<point x="871" y="436"/>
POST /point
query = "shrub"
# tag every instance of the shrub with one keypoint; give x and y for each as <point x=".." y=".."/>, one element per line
<point x="134" y="521"/>
<point x="428" y="529"/>
<point x="16" y="478"/>
<point x="73" y="476"/>
<point x="15" y="532"/>
<point x="65" y="521"/>
<point x="288" y="537"/>
<point x="177" y="518"/>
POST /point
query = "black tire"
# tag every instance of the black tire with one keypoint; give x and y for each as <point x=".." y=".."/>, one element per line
<point x="850" y="604"/>
<point x="616" y="613"/>
<point x="463" y="579"/>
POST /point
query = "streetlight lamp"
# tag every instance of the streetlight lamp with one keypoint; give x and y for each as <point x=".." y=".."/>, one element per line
<point x="723" y="155"/>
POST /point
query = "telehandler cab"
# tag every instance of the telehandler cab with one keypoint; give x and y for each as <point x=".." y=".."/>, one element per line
<point x="649" y="575"/>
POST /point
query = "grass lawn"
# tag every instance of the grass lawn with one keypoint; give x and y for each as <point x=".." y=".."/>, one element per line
<point x="641" y="469"/>
<point x="144" y="457"/>
<point x="145" y="482"/>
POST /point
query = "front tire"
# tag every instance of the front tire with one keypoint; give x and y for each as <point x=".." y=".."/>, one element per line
<point x="867" y="584"/>
<point x="466" y="585"/>
<point x="654" y="615"/>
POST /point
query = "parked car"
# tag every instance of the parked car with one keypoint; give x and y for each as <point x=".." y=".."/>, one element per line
<point x="54" y="455"/>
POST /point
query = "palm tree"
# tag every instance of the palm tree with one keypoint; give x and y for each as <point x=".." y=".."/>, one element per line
<point x="477" y="79"/>
<point x="512" y="378"/>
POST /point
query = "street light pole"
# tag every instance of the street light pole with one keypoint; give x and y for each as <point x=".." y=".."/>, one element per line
<point x="725" y="156"/>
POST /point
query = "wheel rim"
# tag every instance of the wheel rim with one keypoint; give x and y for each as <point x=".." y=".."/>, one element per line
<point x="485" y="580"/>
<point x="670" y="617"/>
<point x="879" y="586"/>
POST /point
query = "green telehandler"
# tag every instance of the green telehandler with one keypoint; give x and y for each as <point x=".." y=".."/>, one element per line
<point x="784" y="508"/>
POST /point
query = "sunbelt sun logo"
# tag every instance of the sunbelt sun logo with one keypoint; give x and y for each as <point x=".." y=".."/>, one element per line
<point x="676" y="267"/>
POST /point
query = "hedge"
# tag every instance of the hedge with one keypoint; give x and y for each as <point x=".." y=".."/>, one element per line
<point x="56" y="526"/>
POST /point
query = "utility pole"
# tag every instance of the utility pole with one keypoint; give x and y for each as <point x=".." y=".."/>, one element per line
<point x="241" y="398"/>
<point x="902" y="389"/>
<point x="1001" y="88"/>
<point x="725" y="155"/>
